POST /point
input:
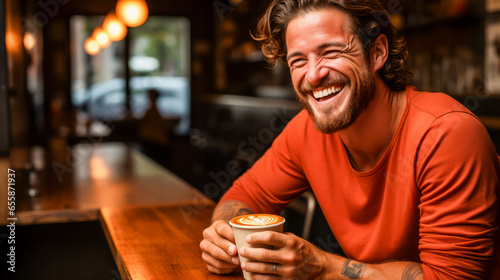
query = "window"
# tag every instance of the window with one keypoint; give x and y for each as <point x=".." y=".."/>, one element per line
<point x="159" y="59"/>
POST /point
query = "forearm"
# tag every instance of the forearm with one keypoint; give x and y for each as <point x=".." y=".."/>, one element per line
<point x="346" y="269"/>
<point x="229" y="209"/>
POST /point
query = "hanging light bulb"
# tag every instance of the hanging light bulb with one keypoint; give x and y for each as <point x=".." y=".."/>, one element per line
<point x="114" y="27"/>
<point x="101" y="37"/>
<point x="12" y="42"/>
<point x="29" y="41"/>
<point x="91" y="46"/>
<point x="132" y="12"/>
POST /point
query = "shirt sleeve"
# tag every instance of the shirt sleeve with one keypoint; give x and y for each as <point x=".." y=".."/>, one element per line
<point x="457" y="173"/>
<point x="276" y="178"/>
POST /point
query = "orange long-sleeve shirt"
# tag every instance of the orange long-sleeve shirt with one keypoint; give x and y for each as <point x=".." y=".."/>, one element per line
<point x="431" y="199"/>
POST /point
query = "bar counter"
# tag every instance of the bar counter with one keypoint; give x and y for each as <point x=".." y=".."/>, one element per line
<point x="159" y="242"/>
<point x="76" y="182"/>
<point x="153" y="221"/>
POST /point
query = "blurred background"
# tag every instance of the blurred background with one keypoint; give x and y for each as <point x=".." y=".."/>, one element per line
<point x="215" y="94"/>
<point x="184" y="83"/>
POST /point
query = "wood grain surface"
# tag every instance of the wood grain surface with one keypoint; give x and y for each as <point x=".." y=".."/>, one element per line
<point x="77" y="181"/>
<point x="159" y="242"/>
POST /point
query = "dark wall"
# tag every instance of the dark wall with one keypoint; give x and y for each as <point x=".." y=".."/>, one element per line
<point x="16" y="83"/>
<point x="4" y="125"/>
<point x="77" y="251"/>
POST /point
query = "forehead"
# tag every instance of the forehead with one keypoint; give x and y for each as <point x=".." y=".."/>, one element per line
<point x="317" y="27"/>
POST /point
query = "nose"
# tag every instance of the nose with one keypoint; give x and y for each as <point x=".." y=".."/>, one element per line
<point x="316" y="73"/>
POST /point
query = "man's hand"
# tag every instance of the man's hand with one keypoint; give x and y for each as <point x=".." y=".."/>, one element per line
<point x="218" y="249"/>
<point x="294" y="257"/>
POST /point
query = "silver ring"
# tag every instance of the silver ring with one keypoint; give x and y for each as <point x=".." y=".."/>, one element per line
<point x="274" y="270"/>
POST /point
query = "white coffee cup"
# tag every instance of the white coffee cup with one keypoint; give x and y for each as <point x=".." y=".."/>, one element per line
<point x="247" y="224"/>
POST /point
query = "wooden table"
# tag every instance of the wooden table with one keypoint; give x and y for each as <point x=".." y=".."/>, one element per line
<point x="152" y="219"/>
<point x="77" y="181"/>
<point x="159" y="242"/>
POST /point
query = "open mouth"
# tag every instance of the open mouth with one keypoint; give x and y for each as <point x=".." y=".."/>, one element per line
<point x="326" y="93"/>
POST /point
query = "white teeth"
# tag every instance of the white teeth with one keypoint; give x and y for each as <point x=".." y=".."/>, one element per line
<point x="326" y="92"/>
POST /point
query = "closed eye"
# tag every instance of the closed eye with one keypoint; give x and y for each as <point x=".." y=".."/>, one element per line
<point x="331" y="53"/>
<point x="297" y="62"/>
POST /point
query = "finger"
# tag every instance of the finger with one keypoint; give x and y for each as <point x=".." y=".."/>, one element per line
<point x="225" y="230"/>
<point x="260" y="267"/>
<point x="213" y="234"/>
<point x="217" y="252"/>
<point x="224" y="237"/>
<point x="272" y="238"/>
<point x="261" y="270"/>
<point x="261" y="254"/>
<point x="218" y="270"/>
<point x="216" y="263"/>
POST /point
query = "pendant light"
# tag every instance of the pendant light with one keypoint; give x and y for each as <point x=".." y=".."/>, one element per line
<point x="114" y="27"/>
<point x="29" y="41"/>
<point x="91" y="46"/>
<point x="101" y="37"/>
<point x="132" y="13"/>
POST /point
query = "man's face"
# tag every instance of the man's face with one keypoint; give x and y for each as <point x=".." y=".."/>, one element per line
<point x="330" y="74"/>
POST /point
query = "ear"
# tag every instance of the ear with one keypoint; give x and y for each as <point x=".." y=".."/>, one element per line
<point x="379" y="52"/>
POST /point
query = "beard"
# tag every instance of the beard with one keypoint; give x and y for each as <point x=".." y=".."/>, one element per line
<point x="358" y="99"/>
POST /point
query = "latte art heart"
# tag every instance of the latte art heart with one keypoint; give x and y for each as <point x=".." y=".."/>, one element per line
<point x="257" y="220"/>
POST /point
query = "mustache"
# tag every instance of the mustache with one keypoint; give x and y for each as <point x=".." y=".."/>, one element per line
<point x="305" y="86"/>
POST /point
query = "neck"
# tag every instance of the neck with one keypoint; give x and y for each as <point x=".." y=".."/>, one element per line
<point x="367" y="139"/>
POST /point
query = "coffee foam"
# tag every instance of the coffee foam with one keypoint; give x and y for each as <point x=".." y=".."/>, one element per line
<point x="257" y="220"/>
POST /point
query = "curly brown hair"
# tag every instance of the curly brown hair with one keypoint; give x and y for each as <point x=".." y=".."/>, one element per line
<point x="369" y="20"/>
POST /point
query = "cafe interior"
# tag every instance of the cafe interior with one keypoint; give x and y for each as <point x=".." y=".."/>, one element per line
<point x="123" y="122"/>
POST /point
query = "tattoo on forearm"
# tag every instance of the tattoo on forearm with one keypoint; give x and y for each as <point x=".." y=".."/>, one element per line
<point x="230" y="209"/>
<point x="353" y="270"/>
<point x="412" y="271"/>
